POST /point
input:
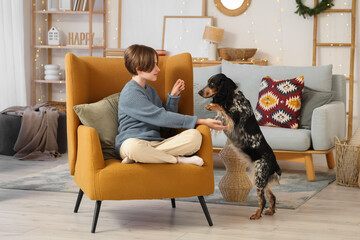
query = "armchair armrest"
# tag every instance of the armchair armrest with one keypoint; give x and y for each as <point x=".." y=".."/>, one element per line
<point x="206" y="149"/>
<point x="89" y="154"/>
<point x="89" y="161"/>
<point x="328" y="121"/>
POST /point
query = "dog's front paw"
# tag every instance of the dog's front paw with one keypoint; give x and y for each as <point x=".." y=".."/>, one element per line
<point x="213" y="107"/>
<point x="208" y="107"/>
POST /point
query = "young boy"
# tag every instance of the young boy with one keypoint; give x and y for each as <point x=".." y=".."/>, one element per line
<point x="141" y="114"/>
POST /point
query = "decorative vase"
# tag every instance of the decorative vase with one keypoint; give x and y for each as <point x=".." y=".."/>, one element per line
<point x="235" y="185"/>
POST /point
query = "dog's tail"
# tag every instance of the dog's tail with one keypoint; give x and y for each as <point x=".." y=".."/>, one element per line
<point x="277" y="174"/>
<point x="275" y="177"/>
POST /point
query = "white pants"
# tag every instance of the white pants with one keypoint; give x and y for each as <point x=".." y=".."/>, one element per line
<point x="185" y="143"/>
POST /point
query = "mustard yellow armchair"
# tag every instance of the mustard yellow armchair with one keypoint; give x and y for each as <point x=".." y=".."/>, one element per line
<point x="90" y="79"/>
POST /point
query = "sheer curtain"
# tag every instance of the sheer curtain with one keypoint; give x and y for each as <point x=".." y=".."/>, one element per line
<point x="12" y="61"/>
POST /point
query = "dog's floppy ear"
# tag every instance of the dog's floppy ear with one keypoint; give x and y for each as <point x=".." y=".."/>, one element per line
<point x="227" y="91"/>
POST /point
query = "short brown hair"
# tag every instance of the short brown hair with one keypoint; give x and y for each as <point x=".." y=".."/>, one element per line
<point x="140" y="57"/>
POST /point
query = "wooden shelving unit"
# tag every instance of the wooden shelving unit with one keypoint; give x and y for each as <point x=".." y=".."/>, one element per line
<point x="40" y="9"/>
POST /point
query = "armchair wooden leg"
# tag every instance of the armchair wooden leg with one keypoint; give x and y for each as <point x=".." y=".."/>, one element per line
<point x="330" y="159"/>
<point x="96" y="215"/>
<point x="78" y="200"/>
<point x="205" y="209"/>
<point x="309" y="165"/>
<point x="173" y="203"/>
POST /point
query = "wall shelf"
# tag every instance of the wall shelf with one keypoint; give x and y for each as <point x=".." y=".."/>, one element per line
<point x="69" y="12"/>
<point x="50" y="81"/>
<point x="206" y="63"/>
<point x="68" y="47"/>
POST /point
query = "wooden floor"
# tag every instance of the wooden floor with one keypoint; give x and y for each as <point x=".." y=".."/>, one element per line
<point x="334" y="213"/>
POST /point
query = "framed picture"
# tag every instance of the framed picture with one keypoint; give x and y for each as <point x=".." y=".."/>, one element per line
<point x="145" y="29"/>
<point x="184" y="34"/>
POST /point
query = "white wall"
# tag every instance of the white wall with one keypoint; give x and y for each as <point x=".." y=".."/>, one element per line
<point x="149" y="30"/>
<point x="281" y="36"/>
<point x="285" y="38"/>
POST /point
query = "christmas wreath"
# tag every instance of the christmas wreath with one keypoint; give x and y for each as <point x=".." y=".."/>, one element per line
<point x="302" y="10"/>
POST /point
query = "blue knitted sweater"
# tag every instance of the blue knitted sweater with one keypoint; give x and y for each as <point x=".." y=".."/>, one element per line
<point x="141" y="114"/>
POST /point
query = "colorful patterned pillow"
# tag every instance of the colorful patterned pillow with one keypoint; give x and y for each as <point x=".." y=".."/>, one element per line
<point x="279" y="102"/>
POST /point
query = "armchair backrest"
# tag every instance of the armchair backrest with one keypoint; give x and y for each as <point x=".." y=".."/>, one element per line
<point x="339" y="87"/>
<point x="90" y="79"/>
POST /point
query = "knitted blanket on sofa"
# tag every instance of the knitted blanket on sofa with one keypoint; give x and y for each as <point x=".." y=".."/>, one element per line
<point x="37" y="138"/>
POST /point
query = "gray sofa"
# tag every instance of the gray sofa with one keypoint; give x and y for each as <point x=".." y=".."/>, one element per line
<point x="10" y="127"/>
<point x="316" y="136"/>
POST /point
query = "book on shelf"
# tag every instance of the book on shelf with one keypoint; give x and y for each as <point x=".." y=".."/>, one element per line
<point x="74" y="4"/>
<point x="65" y="5"/>
<point x="86" y="5"/>
<point x="82" y="5"/>
<point x="78" y="5"/>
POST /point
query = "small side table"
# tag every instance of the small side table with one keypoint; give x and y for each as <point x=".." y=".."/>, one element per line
<point x="235" y="185"/>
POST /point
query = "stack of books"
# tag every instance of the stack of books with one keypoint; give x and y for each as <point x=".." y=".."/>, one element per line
<point x="81" y="5"/>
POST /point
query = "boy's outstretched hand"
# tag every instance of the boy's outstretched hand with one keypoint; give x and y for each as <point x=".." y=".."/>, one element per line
<point x="177" y="88"/>
<point x="212" y="123"/>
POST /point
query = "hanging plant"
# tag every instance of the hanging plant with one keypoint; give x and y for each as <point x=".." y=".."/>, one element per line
<point x="303" y="10"/>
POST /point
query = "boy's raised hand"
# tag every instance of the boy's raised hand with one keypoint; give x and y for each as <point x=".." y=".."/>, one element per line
<point x="177" y="88"/>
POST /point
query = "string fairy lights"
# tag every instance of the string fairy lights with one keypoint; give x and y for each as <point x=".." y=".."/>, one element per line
<point x="327" y="32"/>
<point x="279" y="34"/>
<point x="277" y="29"/>
<point x="40" y="57"/>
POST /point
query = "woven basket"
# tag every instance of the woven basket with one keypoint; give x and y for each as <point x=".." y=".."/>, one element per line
<point x="235" y="185"/>
<point x="347" y="161"/>
<point x="223" y="53"/>
<point x="236" y="54"/>
<point x="355" y="140"/>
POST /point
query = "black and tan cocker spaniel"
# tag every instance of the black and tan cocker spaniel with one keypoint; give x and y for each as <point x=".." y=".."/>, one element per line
<point x="244" y="133"/>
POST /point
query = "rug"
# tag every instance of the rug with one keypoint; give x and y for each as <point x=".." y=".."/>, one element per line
<point x="293" y="191"/>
